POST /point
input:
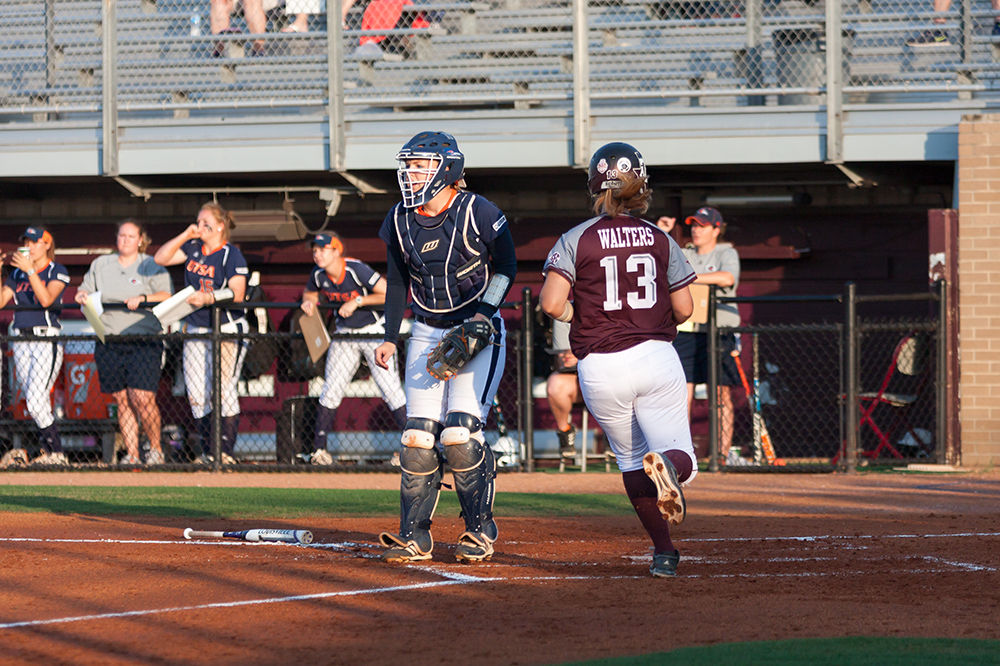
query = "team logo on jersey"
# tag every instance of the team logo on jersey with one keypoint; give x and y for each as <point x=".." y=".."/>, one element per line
<point x="199" y="269"/>
<point x="242" y="270"/>
<point x="602" y="166"/>
<point x="429" y="245"/>
<point x="499" y="223"/>
<point x="624" y="164"/>
<point x="553" y="259"/>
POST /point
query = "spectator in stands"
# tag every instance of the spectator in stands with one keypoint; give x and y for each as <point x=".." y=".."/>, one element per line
<point x="130" y="369"/>
<point x="937" y="36"/>
<point x="718" y="264"/>
<point x="217" y="271"/>
<point x="337" y="278"/>
<point x="388" y="15"/>
<point x="303" y="8"/>
<point x="254" y="13"/>
<point x="38" y="282"/>
<point x="563" y="388"/>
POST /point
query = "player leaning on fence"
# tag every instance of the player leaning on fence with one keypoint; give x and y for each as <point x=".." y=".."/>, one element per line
<point x="630" y="285"/>
<point x="454" y="251"/>
<point x="129" y="369"/>
<point x="216" y="269"/>
<point x="37" y="281"/>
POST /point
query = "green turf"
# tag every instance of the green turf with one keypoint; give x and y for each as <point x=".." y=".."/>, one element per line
<point x="276" y="502"/>
<point x="856" y="651"/>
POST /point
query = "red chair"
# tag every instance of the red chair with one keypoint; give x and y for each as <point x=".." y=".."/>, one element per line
<point x="901" y="386"/>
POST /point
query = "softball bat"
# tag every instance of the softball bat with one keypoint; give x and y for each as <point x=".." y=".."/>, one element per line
<point x="283" y="536"/>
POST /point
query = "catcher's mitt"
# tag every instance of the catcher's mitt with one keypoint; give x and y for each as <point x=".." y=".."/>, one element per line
<point x="458" y="346"/>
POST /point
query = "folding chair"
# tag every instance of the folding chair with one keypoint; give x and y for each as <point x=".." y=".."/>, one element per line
<point x="901" y="386"/>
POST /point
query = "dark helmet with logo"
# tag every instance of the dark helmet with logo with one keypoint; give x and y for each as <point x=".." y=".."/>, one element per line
<point x="418" y="184"/>
<point x="610" y="162"/>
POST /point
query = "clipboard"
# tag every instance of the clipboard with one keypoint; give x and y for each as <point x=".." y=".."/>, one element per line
<point x="315" y="334"/>
<point x="92" y="310"/>
<point x="699" y="294"/>
<point x="174" y="308"/>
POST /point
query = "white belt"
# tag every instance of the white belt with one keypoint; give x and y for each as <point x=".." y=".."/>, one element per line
<point x="37" y="330"/>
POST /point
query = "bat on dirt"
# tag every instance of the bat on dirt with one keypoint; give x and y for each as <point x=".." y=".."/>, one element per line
<point x="761" y="438"/>
<point x="283" y="536"/>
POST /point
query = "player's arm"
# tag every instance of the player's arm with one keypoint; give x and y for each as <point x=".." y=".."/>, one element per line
<point x="717" y="278"/>
<point x="504" y="259"/>
<point x="170" y="253"/>
<point x="682" y="304"/>
<point x="397" y="280"/>
<point x="554" y="297"/>
<point x="310" y="299"/>
<point x="5" y="295"/>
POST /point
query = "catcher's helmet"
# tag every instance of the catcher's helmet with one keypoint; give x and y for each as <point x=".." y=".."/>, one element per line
<point x="609" y="162"/>
<point x="419" y="184"/>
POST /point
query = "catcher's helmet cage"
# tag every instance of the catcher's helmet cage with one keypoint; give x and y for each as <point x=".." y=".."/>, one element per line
<point x="421" y="184"/>
<point x="609" y="162"/>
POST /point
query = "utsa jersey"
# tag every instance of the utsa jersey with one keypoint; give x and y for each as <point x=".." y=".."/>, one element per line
<point x="211" y="272"/>
<point x="358" y="280"/>
<point x="447" y="255"/>
<point x="623" y="270"/>
<point x="20" y="284"/>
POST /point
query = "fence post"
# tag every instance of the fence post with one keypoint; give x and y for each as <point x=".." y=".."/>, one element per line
<point x="109" y="89"/>
<point x="216" y="343"/>
<point x="850" y="459"/>
<point x="527" y="398"/>
<point x="713" y="384"/>
<point x="941" y="435"/>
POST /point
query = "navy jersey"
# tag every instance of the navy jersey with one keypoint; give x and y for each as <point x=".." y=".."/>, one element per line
<point x="211" y="272"/>
<point x="19" y="283"/>
<point x="447" y="256"/>
<point x="359" y="279"/>
<point x="623" y="270"/>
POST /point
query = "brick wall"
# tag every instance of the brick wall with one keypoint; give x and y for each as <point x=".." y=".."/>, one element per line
<point x="979" y="295"/>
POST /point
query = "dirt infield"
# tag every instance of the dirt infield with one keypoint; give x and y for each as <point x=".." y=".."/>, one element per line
<point x="763" y="557"/>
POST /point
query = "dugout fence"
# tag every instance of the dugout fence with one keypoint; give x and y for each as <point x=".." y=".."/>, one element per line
<point x="841" y="380"/>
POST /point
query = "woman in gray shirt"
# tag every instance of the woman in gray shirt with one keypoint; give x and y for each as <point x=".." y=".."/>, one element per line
<point x="130" y="369"/>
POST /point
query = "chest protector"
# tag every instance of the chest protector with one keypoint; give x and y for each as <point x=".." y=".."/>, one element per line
<point x="447" y="260"/>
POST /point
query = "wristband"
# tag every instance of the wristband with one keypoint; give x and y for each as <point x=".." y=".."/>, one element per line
<point x="30" y="272"/>
<point x="357" y="300"/>
<point x="567" y="313"/>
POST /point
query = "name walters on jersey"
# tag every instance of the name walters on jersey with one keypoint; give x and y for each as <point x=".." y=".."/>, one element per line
<point x="615" y="237"/>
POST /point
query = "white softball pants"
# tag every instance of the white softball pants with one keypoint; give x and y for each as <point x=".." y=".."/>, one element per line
<point x="639" y="398"/>
<point x="198" y="372"/>
<point x="37" y="365"/>
<point x="342" y="361"/>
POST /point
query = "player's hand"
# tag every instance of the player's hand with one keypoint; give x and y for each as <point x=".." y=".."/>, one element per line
<point x="567" y="359"/>
<point x="134" y="302"/>
<point x="384" y="353"/>
<point x="666" y="223"/>
<point x="308" y="307"/>
<point x="81" y="296"/>
<point x="21" y="261"/>
<point x="193" y="231"/>
<point x="348" y="308"/>
<point x="199" y="299"/>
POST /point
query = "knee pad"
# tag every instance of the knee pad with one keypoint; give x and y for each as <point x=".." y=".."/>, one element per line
<point x="420" y="433"/>
<point x="460" y="427"/>
<point x="419" y="461"/>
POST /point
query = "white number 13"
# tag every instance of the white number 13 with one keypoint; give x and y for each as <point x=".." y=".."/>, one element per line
<point x="642" y="299"/>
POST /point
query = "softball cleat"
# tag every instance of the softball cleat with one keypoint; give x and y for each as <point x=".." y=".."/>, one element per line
<point x="402" y="552"/>
<point x="669" y="496"/>
<point x="473" y="548"/>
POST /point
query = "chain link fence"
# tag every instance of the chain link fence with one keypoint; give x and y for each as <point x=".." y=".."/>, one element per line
<point x="173" y="58"/>
<point x="793" y="411"/>
<point x="277" y="386"/>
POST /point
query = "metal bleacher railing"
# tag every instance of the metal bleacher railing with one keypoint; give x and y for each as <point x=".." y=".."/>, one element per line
<point x="154" y="59"/>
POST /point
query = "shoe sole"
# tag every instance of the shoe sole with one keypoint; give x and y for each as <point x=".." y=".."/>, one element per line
<point x="468" y="558"/>
<point x="404" y="558"/>
<point x="669" y="496"/>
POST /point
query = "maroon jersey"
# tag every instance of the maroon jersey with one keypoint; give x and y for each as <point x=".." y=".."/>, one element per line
<point x="623" y="270"/>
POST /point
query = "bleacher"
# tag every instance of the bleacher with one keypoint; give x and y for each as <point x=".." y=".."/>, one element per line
<point x="513" y="54"/>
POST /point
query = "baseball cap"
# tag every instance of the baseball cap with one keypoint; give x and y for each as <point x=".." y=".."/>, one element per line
<point x="36" y="234"/>
<point x="326" y="240"/>
<point x="705" y="216"/>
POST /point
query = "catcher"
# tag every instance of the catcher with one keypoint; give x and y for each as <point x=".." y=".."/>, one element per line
<point x="454" y="252"/>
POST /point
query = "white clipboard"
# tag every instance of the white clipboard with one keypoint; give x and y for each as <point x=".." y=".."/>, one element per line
<point x="92" y="310"/>
<point x="315" y="334"/>
<point x="174" y="308"/>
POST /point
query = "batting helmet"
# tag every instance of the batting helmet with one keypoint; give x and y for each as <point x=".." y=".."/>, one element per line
<point x="421" y="183"/>
<point x="610" y="162"/>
